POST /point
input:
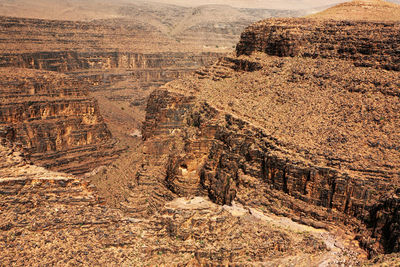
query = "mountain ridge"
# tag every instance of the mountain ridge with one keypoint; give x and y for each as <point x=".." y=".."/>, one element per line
<point x="377" y="10"/>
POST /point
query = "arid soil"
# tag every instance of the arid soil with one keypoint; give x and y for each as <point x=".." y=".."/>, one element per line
<point x="307" y="111"/>
<point x="378" y="10"/>
<point x="282" y="153"/>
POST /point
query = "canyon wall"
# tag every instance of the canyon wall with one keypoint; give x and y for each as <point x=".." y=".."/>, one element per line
<point x="102" y="44"/>
<point x="218" y="142"/>
<point x="54" y="120"/>
<point x="366" y="44"/>
<point x="66" y="61"/>
<point x="103" y="68"/>
<point x="53" y="117"/>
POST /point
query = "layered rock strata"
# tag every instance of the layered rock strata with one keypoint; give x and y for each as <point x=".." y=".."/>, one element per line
<point x="366" y="44"/>
<point x="68" y="46"/>
<point x="32" y="35"/>
<point x="66" y="61"/>
<point x="51" y="116"/>
<point x="54" y="218"/>
<point x="301" y="116"/>
<point x="120" y="60"/>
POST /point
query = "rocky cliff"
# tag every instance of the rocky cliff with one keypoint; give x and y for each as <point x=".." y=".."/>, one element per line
<point x="303" y="121"/>
<point x="365" y="44"/>
<point x="54" y="218"/>
<point x="102" y="68"/>
<point x="72" y="61"/>
<point x="52" y="117"/>
<point x="66" y="131"/>
<point x="104" y="44"/>
<point x="99" y="46"/>
<point x="121" y="59"/>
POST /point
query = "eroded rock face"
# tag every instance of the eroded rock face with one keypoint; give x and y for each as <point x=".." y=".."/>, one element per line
<point x="54" y="120"/>
<point x="70" y="61"/>
<point x="366" y="44"/>
<point x="221" y="152"/>
<point x="145" y="67"/>
<point x="50" y="217"/>
<point x="102" y="46"/>
<point x="120" y="60"/>
<point x="226" y="119"/>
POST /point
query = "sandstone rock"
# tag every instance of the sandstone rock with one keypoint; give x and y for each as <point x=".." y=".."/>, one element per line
<point x="366" y="44"/>
<point x="52" y="118"/>
<point x="284" y="118"/>
<point x="50" y="217"/>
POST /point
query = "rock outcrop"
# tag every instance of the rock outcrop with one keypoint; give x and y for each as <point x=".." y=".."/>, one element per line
<point x="54" y="218"/>
<point x="120" y="59"/>
<point x="303" y="121"/>
<point x="366" y="44"/>
<point x="54" y="120"/>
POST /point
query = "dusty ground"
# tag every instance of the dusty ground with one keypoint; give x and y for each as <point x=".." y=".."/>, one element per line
<point x="131" y="218"/>
<point x="307" y="113"/>
<point x="378" y="10"/>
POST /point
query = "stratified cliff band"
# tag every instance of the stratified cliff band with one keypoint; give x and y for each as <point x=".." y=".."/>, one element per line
<point x="306" y="113"/>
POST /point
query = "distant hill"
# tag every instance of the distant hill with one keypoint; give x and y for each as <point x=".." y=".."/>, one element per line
<point x="268" y="4"/>
<point x="103" y="9"/>
<point x="217" y="26"/>
<point x="362" y="10"/>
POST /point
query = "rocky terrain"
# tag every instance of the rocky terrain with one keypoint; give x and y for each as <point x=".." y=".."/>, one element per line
<point x="198" y="25"/>
<point x="300" y="110"/>
<point x="48" y="69"/>
<point x="119" y="52"/>
<point x="283" y="153"/>
<point x="54" y="218"/>
<point x="53" y="119"/>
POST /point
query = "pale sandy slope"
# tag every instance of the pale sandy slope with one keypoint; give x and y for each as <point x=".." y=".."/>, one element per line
<point x="270" y="4"/>
<point x="103" y="9"/>
<point x="378" y="10"/>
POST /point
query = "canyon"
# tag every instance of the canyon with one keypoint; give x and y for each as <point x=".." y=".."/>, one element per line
<point x="116" y="55"/>
<point x="52" y="118"/>
<point x="306" y="107"/>
<point x="49" y="84"/>
<point x="140" y="142"/>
